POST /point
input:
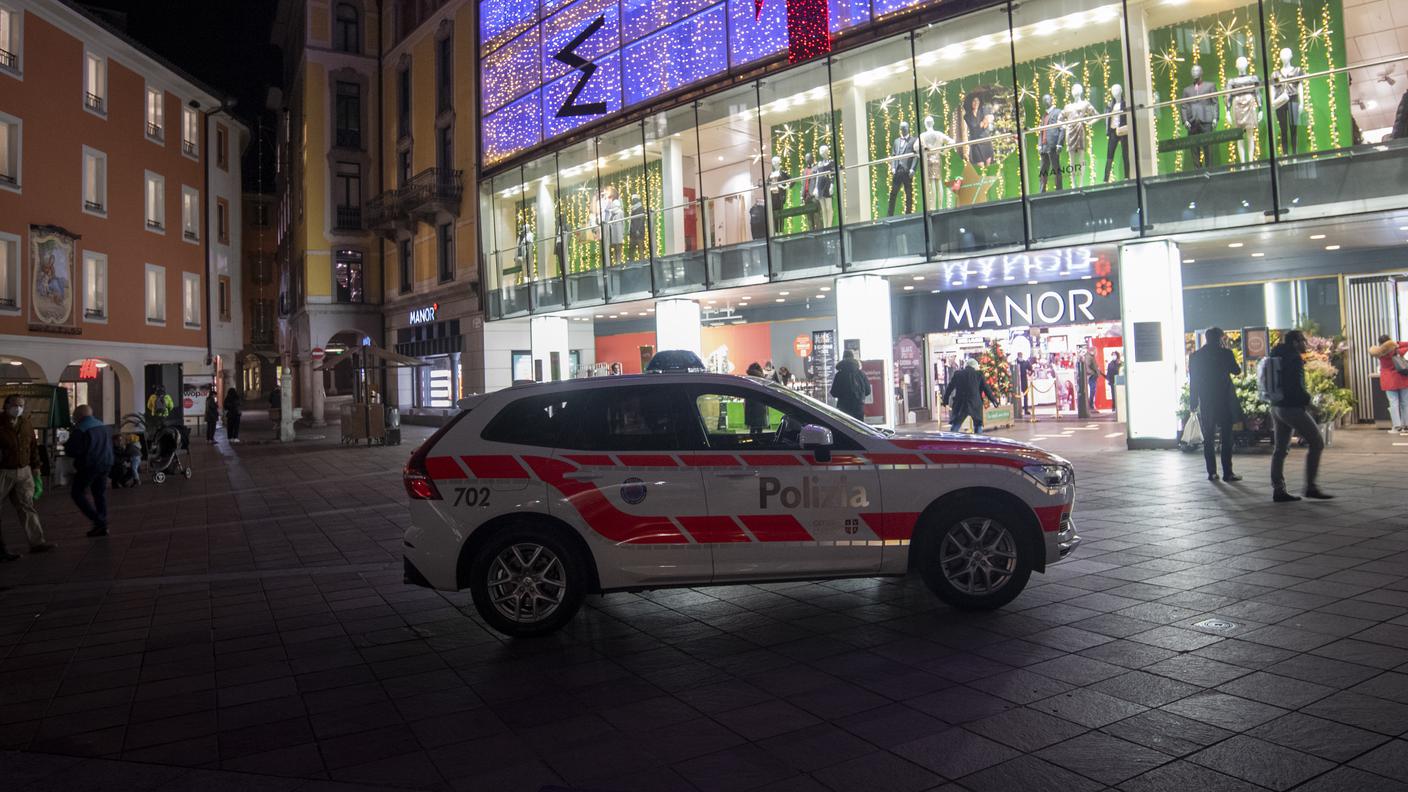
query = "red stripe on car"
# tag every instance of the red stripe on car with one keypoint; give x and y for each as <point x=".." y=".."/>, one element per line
<point x="647" y="460"/>
<point x="495" y="466"/>
<point x="770" y="460"/>
<point x="896" y="459"/>
<point x="892" y="525"/>
<point x="443" y="468"/>
<point x="709" y="460"/>
<point x="775" y="528"/>
<point x="592" y="460"/>
<point x="975" y="459"/>
<point x="836" y="459"/>
<point x="598" y="513"/>
<point x="713" y="529"/>
<point x="1050" y="516"/>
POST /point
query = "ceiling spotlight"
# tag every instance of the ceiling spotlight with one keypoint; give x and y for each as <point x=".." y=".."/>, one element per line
<point x="599" y="316"/>
<point x="1031" y="283"/>
<point x="1332" y="247"/>
<point x="1258" y="255"/>
<point x="821" y="296"/>
<point x="1317" y="236"/>
<point x="919" y="277"/>
<point x="1189" y="261"/>
<point x="784" y="293"/>
<point x="909" y="288"/>
<point x="934" y="291"/>
<point x="828" y="288"/>
<point x="779" y="299"/>
<point x="640" y="313"/>
<point x="1234" y="244"/>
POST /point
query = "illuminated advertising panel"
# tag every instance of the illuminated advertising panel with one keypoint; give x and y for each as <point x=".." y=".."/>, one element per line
<point x="550" y="66"/>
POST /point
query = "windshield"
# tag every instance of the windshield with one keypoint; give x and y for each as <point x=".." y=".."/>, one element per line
<point x="829" y="412"/>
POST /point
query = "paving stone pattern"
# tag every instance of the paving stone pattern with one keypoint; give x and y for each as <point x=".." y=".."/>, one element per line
<point x="248" y="629"/>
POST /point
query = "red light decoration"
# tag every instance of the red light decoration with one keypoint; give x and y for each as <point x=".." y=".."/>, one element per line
<point x="808" y="29"/>
<point x="1104" y="287"/>
<point x="88" y="369"/>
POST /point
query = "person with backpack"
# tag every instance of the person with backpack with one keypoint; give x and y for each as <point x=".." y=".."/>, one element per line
<point x="1212" y="395"/>
<point x="1393" y="379"/>
<point x="1281" y="381"/>
<point x="850" y="387"/>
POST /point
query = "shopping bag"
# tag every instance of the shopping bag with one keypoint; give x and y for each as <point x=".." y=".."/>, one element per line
<point x="1192" y="431"/>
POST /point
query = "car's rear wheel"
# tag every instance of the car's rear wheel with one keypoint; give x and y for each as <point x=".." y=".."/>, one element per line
<point x="527" y="581"/>
<point x="973" y="556"/>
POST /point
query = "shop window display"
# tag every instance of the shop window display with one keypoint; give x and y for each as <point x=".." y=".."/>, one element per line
<point x="588" y="217"/>
<point x="625" y="179"/>
<point x="799" y="125"/>
<point x="510" y="241"/>
<point x="737" y="212"/>
<point x="674" y="228"/>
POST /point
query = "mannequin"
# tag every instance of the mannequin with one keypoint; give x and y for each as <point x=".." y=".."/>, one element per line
<point x="1287" y="80"/>
<point x="758" y="214"/>
<point x="635" y="227"/>
<point x="524" y="255"/>
<point x="1200" y="115"/>
<point x="1077" y="130"/>
<point x="614" y="218"/>
<point x="822" y="177"/>
<point x="1049" y="142"/>
<point x="1244" y="108"/>
<point x="777" y="189"/>
<point x="932" y="143"/>
<point x="902" y="154"/>
<point x="977" y="124"/>
<point x="1116" y="130"/>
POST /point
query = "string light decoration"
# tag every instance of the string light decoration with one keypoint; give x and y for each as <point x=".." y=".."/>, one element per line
<point x="808" y="29"/>
<point x="792" y="141"/>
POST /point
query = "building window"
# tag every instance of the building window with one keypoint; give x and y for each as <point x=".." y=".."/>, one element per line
<point x="9" y="272"/>
<point x="222" y="220"/>
<point x="444" y="72"/>
<point x="348" y="272"/>
<point x="190" y="213"/>
<point x="403" y="102"/>
<point x="222" y="155"/>
<point x="347" y="196"/>
<point x="11" y="41"/>
<point x="95" y="287"/>
<point x="156" y="202"/>
<point x="224" y="298"/>
<point x="348" y="112"/>
<point x="156" y="114"/>
<point x="445" y="147"/>
<point x="95" y="83"/>
<point x="11" y="142"/>
<point x="190" y="299"/>
<point x="403" y="168"/>
<point x="156" y="294"/>
<point x="95" y="181"/>
<point x="190" y="132"/>
<point x="347" y="34"/>
<point x="446" y="236"/>
<point x="407" y="265"/>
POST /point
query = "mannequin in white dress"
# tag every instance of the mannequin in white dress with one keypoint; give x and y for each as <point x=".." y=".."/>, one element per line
<point x="931" y="143"/>
<point x="1074" y="115"/>
<point x="1244" y="108"/>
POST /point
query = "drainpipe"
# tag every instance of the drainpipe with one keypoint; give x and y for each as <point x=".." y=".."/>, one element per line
<point x="380" y="168"/>
<point x="206" y="203"/>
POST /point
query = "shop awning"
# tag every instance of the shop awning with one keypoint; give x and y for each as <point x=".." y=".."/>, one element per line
<point x="372" y="356"/>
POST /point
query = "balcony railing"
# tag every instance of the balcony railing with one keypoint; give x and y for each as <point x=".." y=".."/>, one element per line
<point x="190" y="234"/>
<point x="349" y="138"/>
<point x="93" y="102"/>
<point x="383" y="212"/>
<point x="349" y="218"/>
<point x="433" y="190"/>
<point x="155" y="225"/>
<point x="94" y="206"/>
<point x="9" y="178"/>
<point x="155" y="131"/>
<point x="9" y="60"/>
<point x="95" y="313"/>
<point x="189" y="147"/>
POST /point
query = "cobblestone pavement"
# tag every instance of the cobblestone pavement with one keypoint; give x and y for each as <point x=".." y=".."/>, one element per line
<point x="252" y="620"/>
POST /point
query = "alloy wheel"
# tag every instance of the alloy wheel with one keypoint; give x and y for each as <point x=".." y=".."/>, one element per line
<point x="978" y="556"/>
<point x="527" y="582"/>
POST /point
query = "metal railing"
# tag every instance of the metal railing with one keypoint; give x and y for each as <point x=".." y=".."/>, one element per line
<point x="433" y="189"/>
<point x="10" y="179"/>
<point x="9" y="60"/>
<point x="155" y="225"/>
<point x="93" y="102"/>
<point x="155" y="131"/>
<point x="349" y="218"/>
<point x="95" y="313"/>
<point x="94" y="206"/>
<point x="190" y="234"/>
<point x="189" y="147"/>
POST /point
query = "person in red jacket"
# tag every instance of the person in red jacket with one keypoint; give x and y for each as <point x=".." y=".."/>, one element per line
<point x="1393" y="381"/>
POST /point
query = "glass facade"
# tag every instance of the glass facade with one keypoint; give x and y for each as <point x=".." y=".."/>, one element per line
<point x="1052" y="123"/>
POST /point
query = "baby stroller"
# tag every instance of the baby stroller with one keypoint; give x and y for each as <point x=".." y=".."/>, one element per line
<point x="164" y="445"/>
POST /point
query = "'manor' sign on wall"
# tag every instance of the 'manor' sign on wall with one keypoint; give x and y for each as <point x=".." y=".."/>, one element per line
<point x="1043" y="305"/>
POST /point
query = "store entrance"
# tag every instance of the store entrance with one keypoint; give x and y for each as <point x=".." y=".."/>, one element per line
<point x="1046" y="365"/>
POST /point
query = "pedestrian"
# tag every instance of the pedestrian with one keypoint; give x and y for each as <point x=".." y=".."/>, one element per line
<point x="159" y="402"/>
<point x="233" y="409"/>
<point x="89" y="445"/>
<point x="20" y="480"/>
<point x="755" y="411"/>
<point x="212" y="415"/>
<point x="616" y="370"/>
<point x="1112" y="370"/>
<point x="783" y="377"/>
<point x="850" y="386"/>
<point x="1290" y="412"/>
<point x="1393" y="379"/>
<point x="1024" y="378"/>
<point x="1092" y="373"/>
<point x="1213" y="397"/>
<point x="964" y="397"/>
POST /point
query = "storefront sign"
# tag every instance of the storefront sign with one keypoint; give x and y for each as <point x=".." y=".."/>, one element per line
<point x="1047" y="306"/>
<point x="802" y="345"/>
<point x="88" y="369"/>
<point x="1060" y="264"/>
<point x="1256" y="343"/>
<point x="425" y="314"/>
<point x="822" y="364"/>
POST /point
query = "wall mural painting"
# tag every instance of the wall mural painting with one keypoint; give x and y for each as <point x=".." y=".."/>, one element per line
<point x="52" y="281"/>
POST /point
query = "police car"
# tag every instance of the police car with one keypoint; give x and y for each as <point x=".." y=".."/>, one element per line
<point x="535" y="496"/>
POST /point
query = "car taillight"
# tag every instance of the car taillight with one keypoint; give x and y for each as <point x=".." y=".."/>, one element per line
<point x="416" y="477"/>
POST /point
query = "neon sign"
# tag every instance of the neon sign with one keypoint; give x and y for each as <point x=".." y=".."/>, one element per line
<point x="425" y="314"/>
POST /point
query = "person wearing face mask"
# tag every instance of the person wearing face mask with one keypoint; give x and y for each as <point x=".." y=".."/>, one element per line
<point x="19" y="473"/>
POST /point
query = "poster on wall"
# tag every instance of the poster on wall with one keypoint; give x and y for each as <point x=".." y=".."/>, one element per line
<point x="874" y="371"/>
<point x="51" y="299"/>
<point x="822" y="363"/>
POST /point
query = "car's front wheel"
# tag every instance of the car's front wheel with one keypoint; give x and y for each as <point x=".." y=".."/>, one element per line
<point x="527" y="581"/>
<point x="973" y="558"/>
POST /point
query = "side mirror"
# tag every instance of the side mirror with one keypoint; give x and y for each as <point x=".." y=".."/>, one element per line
<point x="817" y="438"/>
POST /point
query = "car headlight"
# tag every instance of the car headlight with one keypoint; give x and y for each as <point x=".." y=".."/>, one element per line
<point x="1049" y="475"/>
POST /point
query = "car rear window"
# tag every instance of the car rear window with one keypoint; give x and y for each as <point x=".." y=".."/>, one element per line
<point x="535" y="420"/>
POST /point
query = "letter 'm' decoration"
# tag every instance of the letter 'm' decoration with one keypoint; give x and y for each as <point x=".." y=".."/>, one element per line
<point x="569" y="56"/>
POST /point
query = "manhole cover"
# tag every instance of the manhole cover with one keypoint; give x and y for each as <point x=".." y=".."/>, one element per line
<point x="1217" y="625"/>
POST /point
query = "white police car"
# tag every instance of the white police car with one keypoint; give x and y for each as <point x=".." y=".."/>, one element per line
<point x="535" y="496"/>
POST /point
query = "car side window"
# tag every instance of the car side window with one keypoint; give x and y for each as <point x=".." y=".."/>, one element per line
<point x="741" y="419"/>
<point x="638" y="418"/>
<point x="543" y="421"/>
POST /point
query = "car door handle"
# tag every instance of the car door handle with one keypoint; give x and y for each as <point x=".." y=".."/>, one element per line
<point x="751" y="474"/>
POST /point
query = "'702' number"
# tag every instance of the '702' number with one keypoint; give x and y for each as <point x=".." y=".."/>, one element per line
<point x="471" y="496"/>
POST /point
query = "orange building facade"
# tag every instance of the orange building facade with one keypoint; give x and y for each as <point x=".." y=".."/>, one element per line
<point x="105" y="237"/>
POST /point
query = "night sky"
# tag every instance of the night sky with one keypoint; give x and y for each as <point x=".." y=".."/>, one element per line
<point x="224" y="44"/>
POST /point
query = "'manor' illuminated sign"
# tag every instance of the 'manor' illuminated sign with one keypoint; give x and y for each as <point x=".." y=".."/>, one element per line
<point x="425" y="314"/>
<point x="1043" y="305"/>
